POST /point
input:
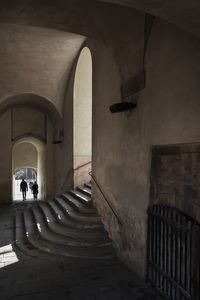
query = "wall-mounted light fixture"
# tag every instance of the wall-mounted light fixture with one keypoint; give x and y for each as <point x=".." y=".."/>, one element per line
<point x="122" y="106"/>
<point x="137" y="83"/>
<point x="130" y="88"/>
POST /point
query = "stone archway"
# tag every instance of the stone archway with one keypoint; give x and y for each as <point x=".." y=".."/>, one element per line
<point x="37" y="102"/>
<point x="33" y="156"/>
<point x="29" y="112"/>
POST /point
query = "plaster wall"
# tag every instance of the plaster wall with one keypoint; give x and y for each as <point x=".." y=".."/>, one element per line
<point x="168" y="112"/>
<point x="46" y="164"/>
<point x="50" y="166"/>
<point x="64" y="167"/>
<point x="82" y="118"/>
<point x="28" y="121"/>
<point x="36" y="60"/>
<point x="39" y="56"/>
<point x="83" y="18"/>
<point x="6" y="158"/>
<point x="180" y="12"/>
<point x="24" y="155"/>
<point x="83" y="105"/>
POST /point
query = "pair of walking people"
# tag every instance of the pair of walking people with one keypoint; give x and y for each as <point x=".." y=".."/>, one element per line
<point x="24" y="189"/>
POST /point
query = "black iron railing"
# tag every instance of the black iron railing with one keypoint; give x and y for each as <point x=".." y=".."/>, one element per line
<point x="71" y="172"/>
<point x="82" y="166"/>
<point x="105" y="198"/>
<point x="173" y="253"/>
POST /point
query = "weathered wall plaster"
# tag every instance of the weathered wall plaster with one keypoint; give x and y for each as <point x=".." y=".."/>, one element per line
<point x="6" y="158"/>
<point x="28" y="121"/>
<point x="24" y="155"/>
<point x="167" y="113"/>
<point x="36" y="60"/>
<point x="47" y="165"/>
<point x="82" y="118"/>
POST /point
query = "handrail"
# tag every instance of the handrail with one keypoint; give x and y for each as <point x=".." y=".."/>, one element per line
<point x="71" y="172"/>
<point x="79" y="167"/>
<point x="112" y="209"/>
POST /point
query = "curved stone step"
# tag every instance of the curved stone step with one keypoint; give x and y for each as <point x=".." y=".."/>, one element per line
<point x="78" y="215"/>
<point x="78" y="205"/>
<point x="86" y="222"/>
<point x="33" y="234"/>
<point x="86" y="200"/>
<point x="56" y="226"/>
<point x="64" y="219"/>
<point x="88" y="185"/>
<point x="85" y="190"/>
<point x="46" y="231"/>
<point x="21" y="241"/>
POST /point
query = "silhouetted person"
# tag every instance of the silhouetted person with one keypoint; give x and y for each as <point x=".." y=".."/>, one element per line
<point x="35" y="190"/>
<point x="23" y="188"/>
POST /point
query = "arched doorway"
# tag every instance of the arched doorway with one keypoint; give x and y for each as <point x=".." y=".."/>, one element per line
<point x="37" y="103"/>
<point x="28" y="162"/>
<point x="82" y="118"/>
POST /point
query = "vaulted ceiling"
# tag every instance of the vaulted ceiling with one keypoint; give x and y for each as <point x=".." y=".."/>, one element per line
<point x="36" y="60"/>
<point x="184" y="13"/>
<point x="40" y="39"/>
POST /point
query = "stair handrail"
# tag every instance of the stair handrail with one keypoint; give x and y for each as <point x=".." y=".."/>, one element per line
<point x="105" y="198"/>
<point x="71" y="172"/>
<point x="83" y="165"/>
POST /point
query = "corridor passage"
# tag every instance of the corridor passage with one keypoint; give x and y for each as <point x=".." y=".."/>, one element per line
<point x="49" y="276"/>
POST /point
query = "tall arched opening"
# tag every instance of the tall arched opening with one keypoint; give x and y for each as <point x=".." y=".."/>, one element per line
<point x="28" y="162"/>
<point x="82" y="118"/>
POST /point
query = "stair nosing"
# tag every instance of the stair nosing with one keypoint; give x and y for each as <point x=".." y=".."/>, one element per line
<point x="67" y="240"/>
<point x="109" y="252"/>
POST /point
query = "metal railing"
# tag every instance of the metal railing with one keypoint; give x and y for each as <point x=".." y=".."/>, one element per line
<point x="105" y="198"/>
<point x="72" y="171"/>
<point x="173" y="253"/>
<point x="80" y="167"/>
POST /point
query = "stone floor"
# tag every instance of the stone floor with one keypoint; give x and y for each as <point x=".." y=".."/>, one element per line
<point x="56" y="277"/>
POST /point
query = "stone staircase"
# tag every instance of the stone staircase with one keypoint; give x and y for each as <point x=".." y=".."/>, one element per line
<point x="68" y="225"/>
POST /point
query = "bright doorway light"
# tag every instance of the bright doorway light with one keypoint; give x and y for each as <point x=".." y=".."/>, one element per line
<point x="28" y="162"/>
<point x="30" y="176"/>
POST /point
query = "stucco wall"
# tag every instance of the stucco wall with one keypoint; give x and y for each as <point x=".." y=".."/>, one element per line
<point x="36" y="60"/>
<point x="24" y="155"/>
<point x="104" y="22"/>
<point x="82" y="118"/>
<point x="64" y="166"/>
<point x="28" y="121"/>
<point x="7" y="143"/>
<point x="167" y="113"/>
<point x="82" y="110"/>
<point x="6" y="158"/>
